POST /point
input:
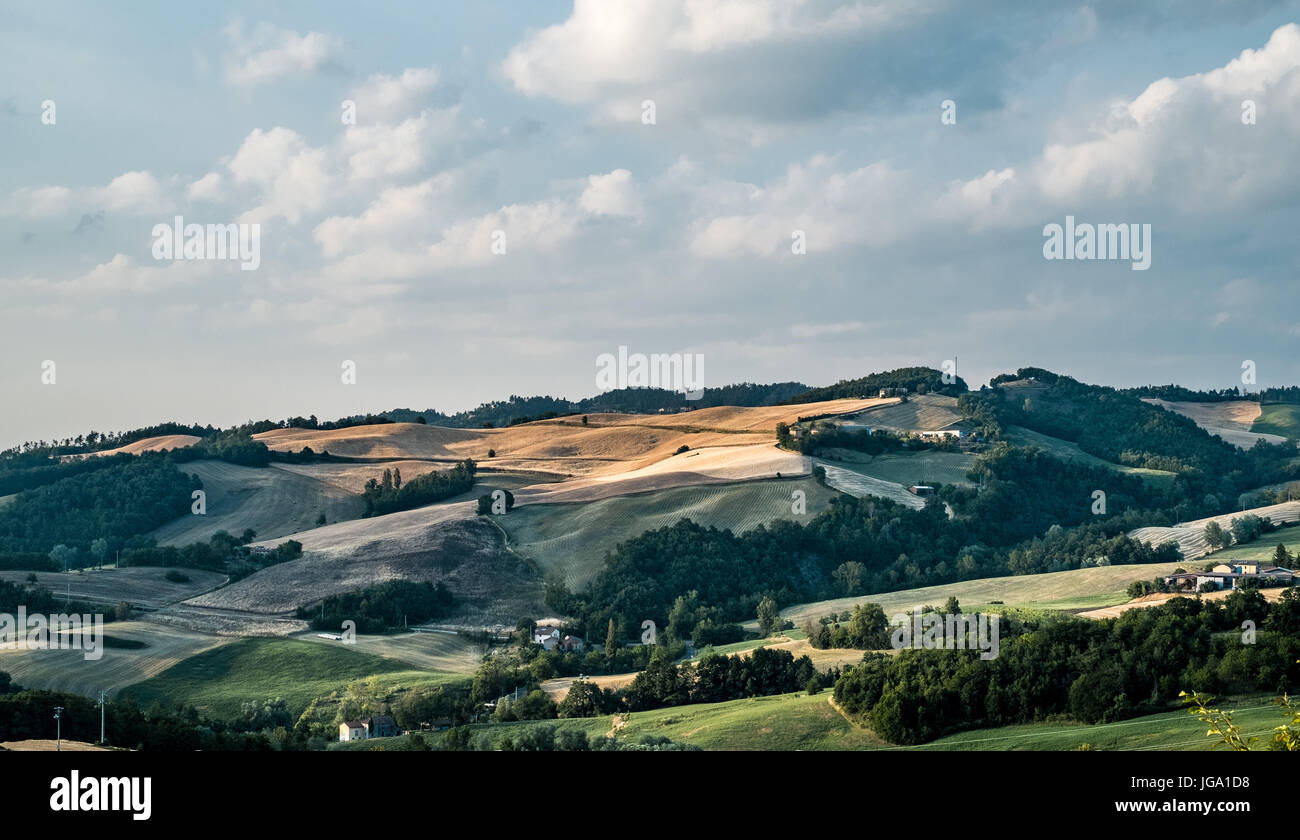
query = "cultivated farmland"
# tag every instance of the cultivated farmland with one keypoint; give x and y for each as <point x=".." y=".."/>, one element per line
<point x="1190" y="536"/>
<point x="1231" y="420"/>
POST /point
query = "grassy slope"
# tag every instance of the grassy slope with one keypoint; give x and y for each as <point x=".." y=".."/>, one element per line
<point x="907" y="468"/>
<point x="804" y="722"/>
<point x="1070" y="590"/>
<point x="1067" y="451"/>
<point x="1259" y="551"/>
<point x="572" y="539"/>
<point x="1278" y="419"/>
<point x="219" y="681"/>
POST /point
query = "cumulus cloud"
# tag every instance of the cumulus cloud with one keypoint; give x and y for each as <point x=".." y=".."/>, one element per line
<point x="130" y="192"/>
<point x="1182" y="141"/>
<point x="384" y="98"/>
<point x="613" y="194"/>
<point x="293" y="178"/>
<point x="267" y="53"/>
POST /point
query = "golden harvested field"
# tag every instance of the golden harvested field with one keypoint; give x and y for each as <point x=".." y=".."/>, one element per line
<point x="1190" y="536"/>
<point x="609" y="443"/>
<point x="1230" y="420"/>
<point x="699" y="466"/>
<point x="153" y="444"/>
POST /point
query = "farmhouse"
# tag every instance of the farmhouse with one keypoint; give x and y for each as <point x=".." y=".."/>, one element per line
<point x="552" y="638"/>
<point x="379" y="726"/>
<point x="921" y="490"/>
<point x="1225" y="576"/>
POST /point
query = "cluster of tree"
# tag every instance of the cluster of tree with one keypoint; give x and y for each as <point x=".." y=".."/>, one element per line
<point x="234" y="447"/>
<point x="222" y="552"/>
<point x="716" y="677"/>
<point x="1120" y="428"/>
<point x="1289" y="394"/>
<point x="40" y="600"/>
<point x="865" y="628"/>
<point x="131" y="496"/>
<point x="27" y="715"/>
<point x="917" y="380"/>
<point x="99" y="441"/>
<point x="393" y="603"/>
<point x="25" y="471"/>
<point x="525" y="663"/>
<point x="1241" y="529"/>
<point x="829" y="436"/>
<point x="389" y="494"/>
<point x="549" y="738"/>
<point x="1092" y="671"/>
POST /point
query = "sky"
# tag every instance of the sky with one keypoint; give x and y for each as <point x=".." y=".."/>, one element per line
<point x="479" y="200"/>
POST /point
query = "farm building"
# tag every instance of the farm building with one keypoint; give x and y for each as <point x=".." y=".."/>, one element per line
<point x="921" y="490"/>
<point x="379" y="726"/>
<point x="552" y="638"/>
<point x="1224" y="576"/>
<point x="353" y="730"/>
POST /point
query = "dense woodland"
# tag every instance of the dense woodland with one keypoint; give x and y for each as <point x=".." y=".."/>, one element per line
<point x="375" y="609"/>
<point x="1093" y="671"/>
<point x="917" y="380"/>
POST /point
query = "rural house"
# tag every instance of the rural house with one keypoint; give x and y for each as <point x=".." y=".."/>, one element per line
<point x="552" y="638"/>
<point x="379" y="726"/>
<point x="353" y="730"/>
<point x="1226" y="576"/>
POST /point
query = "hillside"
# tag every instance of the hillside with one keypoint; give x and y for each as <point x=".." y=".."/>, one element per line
<point x="274" y="501"/>
<point x="1190" y="536"/>
<point x="1234" y="421"/>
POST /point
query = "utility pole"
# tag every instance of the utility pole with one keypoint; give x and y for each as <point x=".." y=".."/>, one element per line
<point x="58" y="731"/>
<point x="101" y="717"/>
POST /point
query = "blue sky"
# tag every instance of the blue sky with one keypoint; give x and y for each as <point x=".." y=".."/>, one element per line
<point x="924" y="240"/>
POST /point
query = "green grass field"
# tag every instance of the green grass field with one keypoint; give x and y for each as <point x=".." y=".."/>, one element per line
<point x="1077" y="589"/>
<point x="1278" y="419"/>
<point x="572" y="539"/>
<point x="219" y="681"/>
<point x="1258" y="551"/>
<point x="1067" y="451"/>
<point x="907" y="468"/>
<point x="810" y="722"/>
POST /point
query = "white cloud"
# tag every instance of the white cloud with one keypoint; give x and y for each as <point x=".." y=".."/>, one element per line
<point x="388" y="98"/>
<point x="207" y="188"/>
<point x="293" y="178"/>
<point x="613" y="194"/>
<point x="130" y="192"/>
<point x="269" y="53"/>
<point x="1182" y="141"/>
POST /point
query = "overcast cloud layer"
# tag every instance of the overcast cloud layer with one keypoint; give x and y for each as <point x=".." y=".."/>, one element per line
<point x="924" y="239"/>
